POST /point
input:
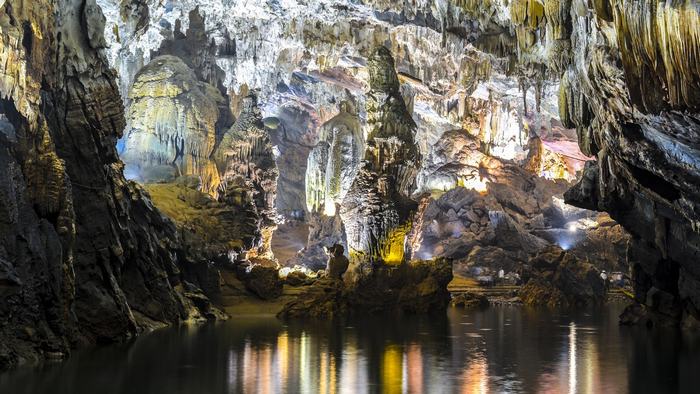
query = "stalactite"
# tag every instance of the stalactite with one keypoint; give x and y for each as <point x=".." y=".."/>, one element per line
<point x="659" y="45"/>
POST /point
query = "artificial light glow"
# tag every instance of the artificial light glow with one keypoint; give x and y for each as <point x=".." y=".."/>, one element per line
<point x="285" y="271"/>
<point x="572" y="227"/>
<point x="572" y="358"/>
<point x="395" y="245"/>
<point x="475" y="183"/>
<point x="392" y="368"/>
<point x="476" y="376"/>
<point x="329" y="208"/>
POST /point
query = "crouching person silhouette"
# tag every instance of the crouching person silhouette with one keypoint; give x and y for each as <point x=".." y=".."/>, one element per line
<point x="337" y="262"/>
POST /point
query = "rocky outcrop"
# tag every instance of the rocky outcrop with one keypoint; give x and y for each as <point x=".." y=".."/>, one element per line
<point x="245" y="157"/>
<point x="85" y="256"/>
<point x="210" y="228"/>
<point x="491" y="214"/>
<point x="556" y="278"/>
<point x="415" y="287"/>
<point x="263" y="280"/>
<point x="639" y="117"/>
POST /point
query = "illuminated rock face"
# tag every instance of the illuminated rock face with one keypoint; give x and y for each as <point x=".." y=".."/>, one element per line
<point x="171" y="125"/>
<point x="377" y="209"/>
<point x="334" y="162"/>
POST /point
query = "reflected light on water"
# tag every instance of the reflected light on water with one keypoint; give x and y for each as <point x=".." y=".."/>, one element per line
<point x="572" y="358"/>
<point x="304" y="363"/>
<point x="476" y="377"/>
<point x="392" y="370"/>
<point x="414" y="361"/>
<point x="473" y="352"/>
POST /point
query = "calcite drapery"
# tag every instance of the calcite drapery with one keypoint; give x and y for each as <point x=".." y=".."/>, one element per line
<point x="171" y="125"/>
<point x="333" y="163"/>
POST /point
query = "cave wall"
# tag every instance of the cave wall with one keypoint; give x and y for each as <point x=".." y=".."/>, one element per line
<point x="631" y="92"/>
<point x="85" y="256"/>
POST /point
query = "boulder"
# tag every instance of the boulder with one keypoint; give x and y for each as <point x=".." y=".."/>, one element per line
<point x="558" y="279"/>
<point x="415" y="287"/>
<point x="470" y="300"/>
<point x="263" y="281"/>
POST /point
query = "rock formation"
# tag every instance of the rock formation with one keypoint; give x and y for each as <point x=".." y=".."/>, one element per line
<point x="462" y="111"/>
<point x="334" y="162"/>
<point x="557" y="279"/>
<point x="171" y="125"/>
<point x="245" y="157"/>
<point x="489" y="213"/>
<point x="631" y="92"/>
<point x="377" y="209"/>
<point x="415" y="287"/>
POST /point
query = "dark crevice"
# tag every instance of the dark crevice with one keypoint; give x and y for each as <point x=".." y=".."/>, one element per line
<point x="655" y="183"/>
<point x="27" y="38"/>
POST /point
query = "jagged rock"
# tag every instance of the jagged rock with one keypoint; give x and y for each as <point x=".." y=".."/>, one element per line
<point x="244" y="156"/>
<point x="558" y="279"/>
<point x="377" y="208"/>
<point x="415" y="287"/>
<point x="96" y="260"/>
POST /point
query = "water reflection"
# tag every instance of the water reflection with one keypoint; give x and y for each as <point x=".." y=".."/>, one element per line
<point x="503" y="349"/>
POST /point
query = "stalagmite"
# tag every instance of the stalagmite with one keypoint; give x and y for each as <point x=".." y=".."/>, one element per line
<point x="377" y="209"/>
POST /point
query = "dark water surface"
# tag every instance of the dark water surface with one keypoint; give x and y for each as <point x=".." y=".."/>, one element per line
<point x="501" y="349"/>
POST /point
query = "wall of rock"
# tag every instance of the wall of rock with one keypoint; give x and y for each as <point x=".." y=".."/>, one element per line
<point x="85" y="256"/>
<point x="633" y="98"/>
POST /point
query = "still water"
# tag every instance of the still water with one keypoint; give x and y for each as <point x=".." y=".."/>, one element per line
<point x="501" y="349"/>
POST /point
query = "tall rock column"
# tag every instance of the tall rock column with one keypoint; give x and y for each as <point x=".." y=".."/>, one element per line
<point x="246" y="160"/>
<point x="377" y="209"/>
<point x="332" y="167"/>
